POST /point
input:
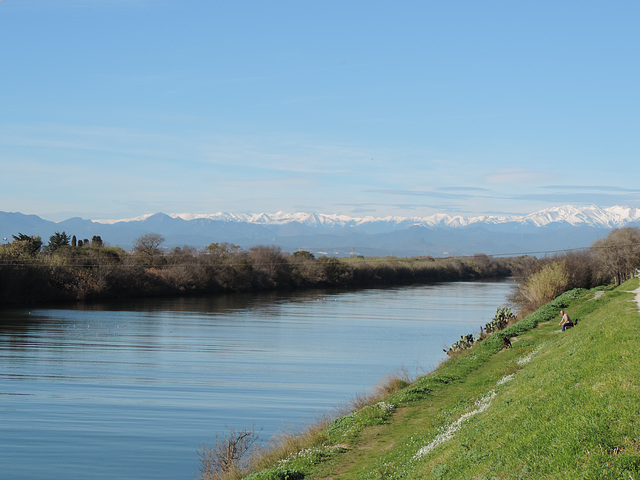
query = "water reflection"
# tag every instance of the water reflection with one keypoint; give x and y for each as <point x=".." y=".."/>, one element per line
<point x="131" y="389"/>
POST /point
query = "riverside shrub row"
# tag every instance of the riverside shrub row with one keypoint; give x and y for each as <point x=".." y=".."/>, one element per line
<point x="88" y="272"/>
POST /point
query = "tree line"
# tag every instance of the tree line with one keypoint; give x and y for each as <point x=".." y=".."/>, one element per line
<point x="70" y="269"/>
<point x="67" y="269"/>
<point x="608" y="260"/>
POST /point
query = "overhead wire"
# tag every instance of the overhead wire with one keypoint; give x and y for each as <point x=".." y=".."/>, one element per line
<point x="36" y="262"/>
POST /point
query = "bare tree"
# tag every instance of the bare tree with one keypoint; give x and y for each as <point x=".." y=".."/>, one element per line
<point x="148" y="243"/>
<point x="618" y="254"/>
<point x="228" y="456"/>
<point x="148" y="246"/>
<point x="221" y="251"/>
<point x="270" y="265"/>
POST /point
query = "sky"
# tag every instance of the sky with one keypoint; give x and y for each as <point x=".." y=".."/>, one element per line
<point x="113" y="109"/>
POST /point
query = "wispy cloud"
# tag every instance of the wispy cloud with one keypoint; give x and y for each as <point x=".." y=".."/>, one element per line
<point x="590" y="188"/>
<point x="288" y="153"/>
<point x="463" y="189"/>
<point x="516" y="176"/>
<point x="419" y="209"/>
<point x="580" y="194"/>
<point x="443" y="193"/>
<point x="581" y="198"/>
<point x="97" y="139"/>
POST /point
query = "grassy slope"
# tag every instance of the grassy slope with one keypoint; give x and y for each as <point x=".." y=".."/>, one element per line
<point x="558" y="405"/>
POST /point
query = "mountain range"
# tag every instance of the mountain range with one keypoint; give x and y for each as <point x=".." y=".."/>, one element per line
<point x="539" y="233"/>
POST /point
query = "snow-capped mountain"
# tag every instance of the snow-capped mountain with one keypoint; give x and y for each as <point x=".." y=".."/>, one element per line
<point x="607" y="217"/>
<point x="540" y="232"/>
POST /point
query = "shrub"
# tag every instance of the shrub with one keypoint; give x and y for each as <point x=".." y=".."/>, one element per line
<point x="545" y="285"/>
<point x="466" y="341"/>
<point x="501" y="319"/>
<point x="227" y="458"/>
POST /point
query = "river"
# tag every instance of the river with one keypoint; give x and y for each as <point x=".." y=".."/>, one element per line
<point x="132" y="390"/>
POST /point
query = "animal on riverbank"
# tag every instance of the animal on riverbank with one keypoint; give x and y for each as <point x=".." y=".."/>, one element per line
<point x="506" y="342"/>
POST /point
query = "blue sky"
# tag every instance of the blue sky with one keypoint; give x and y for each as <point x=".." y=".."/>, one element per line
<point x="118" y="108"/>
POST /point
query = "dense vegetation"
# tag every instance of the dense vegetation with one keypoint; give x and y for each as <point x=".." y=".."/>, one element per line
<point x="614" y="258"/>
<point x="70" y="269"/>
<point x="556" y="405"/>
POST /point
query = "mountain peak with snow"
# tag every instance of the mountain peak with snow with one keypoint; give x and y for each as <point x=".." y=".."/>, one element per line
<point x="548" y="230"/>
<point x="594" y="216"/>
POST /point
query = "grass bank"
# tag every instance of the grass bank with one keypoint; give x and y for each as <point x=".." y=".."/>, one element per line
<point x="554" y="406"/>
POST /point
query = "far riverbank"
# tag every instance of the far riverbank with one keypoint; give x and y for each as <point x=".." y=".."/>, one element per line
<point x="90" y="273"/>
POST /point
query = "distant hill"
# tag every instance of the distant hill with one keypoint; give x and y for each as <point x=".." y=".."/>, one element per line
<point x="557" y="228"/>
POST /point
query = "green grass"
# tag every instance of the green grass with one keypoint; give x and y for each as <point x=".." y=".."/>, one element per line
<point x="554" y="406"/>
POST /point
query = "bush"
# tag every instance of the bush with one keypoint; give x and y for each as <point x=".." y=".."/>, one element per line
<point x="501" y="319"/>
<point x="543" y="286"/>
<point x="96" y="271"/>
<point x="465" y="342"/>
<point x="227" y="458"/>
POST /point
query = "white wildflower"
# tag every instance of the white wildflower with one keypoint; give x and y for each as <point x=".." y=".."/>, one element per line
<point x="386" y="407"/>
<point x="505" y="379"/>
<point x="450" y="431"/>
<point x="527" y="359"/>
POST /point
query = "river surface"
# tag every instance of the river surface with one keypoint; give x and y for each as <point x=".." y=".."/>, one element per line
<point x="132" y="390"/>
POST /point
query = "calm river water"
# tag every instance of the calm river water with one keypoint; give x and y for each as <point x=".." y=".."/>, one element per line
<point x="131" y="390"/>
